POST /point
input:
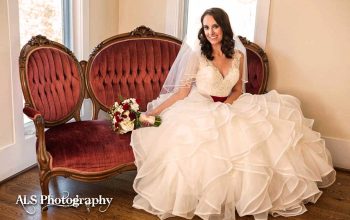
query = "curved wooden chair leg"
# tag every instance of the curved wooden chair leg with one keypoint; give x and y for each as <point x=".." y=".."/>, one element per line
<point x="44" y="184"/>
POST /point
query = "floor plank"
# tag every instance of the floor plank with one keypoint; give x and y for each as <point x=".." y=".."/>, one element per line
<point x="333" y="204"/>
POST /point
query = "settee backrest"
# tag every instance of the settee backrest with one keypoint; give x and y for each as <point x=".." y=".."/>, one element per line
<point x="52" y="80"/>
<point x="134" y="64"/>
<point x="258" y="67"/>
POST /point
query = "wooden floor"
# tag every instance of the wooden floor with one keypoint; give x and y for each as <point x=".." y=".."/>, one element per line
<point x="333" y="204"/>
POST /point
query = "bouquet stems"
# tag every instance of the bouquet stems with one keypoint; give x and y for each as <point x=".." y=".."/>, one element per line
<point x="157" y="121"/>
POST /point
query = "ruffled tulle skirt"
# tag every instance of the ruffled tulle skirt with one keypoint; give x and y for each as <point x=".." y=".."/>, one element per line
<point x="254" y="157"/>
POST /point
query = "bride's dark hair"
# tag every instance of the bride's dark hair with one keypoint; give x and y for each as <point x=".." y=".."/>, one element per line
<point x="227" y="43"/>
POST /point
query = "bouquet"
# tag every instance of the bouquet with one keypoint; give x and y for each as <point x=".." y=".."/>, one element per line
<point x="125" y="116"/>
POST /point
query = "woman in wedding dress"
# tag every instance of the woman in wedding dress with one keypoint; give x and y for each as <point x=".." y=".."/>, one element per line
<point x="219" y="150"/>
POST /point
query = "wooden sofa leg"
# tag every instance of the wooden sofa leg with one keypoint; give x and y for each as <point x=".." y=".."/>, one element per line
<point x="44" y="184"/>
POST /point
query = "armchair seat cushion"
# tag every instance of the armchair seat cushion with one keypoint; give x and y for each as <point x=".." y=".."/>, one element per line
<point x="88" y="146"/>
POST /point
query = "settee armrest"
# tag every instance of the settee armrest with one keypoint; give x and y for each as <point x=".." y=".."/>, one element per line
<point x="31" y="112"/>
<point x="39" y="122"/>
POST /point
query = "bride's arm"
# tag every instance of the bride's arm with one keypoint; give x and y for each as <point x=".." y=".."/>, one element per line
<point x="180" y="94"/>
<point x="238" y="88"/>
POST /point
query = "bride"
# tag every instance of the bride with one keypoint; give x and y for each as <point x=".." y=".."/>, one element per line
<point x="218" y="150"/>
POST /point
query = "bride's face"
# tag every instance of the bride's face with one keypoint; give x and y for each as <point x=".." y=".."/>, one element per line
<point x="213" y="32"/>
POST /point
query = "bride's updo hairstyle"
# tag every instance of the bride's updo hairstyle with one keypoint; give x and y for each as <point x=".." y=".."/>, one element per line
<point x="227" y="43"/>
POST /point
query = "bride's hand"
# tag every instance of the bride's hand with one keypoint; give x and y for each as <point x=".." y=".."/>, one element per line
<point x="146" y="119"/>
<point x="151" y="113"/>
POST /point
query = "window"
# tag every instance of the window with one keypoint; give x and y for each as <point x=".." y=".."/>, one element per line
<point x="51" y="18"/>
<point x="242" y="15"/>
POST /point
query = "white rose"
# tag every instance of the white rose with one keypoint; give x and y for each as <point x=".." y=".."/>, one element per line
<point x="134" y="107"/>
<point x="126" y="126"/>
<point x="120" y="109"/>
<point x="116" y="105"/>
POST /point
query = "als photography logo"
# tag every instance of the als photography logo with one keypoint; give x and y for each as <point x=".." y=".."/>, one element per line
<point x="29" y="203"/>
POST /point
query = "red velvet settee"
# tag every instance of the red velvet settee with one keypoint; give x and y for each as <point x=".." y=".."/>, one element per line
<point x="55" y="84"/>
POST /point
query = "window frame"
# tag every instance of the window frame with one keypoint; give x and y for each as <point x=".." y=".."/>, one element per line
<point x="179" y="16"/>
<point x="75" y="15"/>
<point x="67" y="23"/>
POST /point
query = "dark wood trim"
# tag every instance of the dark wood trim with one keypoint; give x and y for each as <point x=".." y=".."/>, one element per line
<point x="342" y="169"/>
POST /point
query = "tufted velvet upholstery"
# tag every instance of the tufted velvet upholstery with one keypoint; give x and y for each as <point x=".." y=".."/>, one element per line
<point x="255" y="73"/>
<point x="54" y="82"/>
<point x="132" y="68"/>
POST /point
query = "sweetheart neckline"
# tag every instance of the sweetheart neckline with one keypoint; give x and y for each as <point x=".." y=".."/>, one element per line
<point x="218" y="71"/>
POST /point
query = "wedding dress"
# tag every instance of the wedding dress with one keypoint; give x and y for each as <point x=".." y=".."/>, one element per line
<point x="211" y="159"/>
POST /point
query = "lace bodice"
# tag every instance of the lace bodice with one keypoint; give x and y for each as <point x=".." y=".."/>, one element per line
<point x="211" y="82"/>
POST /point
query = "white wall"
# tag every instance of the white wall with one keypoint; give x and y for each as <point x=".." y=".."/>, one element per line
<point x="6" y="121"/>
<point x="16" y="151"/>
<point x="309" y="48"/>
<point x="133" y="13"/>
<point x="309" y="52"/>
<point x="103" y="19"/>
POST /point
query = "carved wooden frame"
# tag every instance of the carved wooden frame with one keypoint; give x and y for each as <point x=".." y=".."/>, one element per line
<point x="36" y="43"/>
<point x="263" y="58"/>
<point x="44" y="158"/>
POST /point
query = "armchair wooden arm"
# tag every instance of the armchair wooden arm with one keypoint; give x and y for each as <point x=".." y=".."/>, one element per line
<point x="43" y="157"/>
<point x="42" y="154"/>
<point x="31" y="112"/>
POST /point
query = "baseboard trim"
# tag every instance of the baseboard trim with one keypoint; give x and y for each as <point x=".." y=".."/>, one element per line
<point x="340" y="151"/>
<point x="19" y="173"/>
<point x="342" y="169"/>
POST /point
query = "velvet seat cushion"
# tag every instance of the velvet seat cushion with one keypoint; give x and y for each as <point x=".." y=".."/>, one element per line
<point x="88" y="146"/>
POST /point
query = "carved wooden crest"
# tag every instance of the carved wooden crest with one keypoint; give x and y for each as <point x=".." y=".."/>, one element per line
<point x="142" y="31"/>
<point x="256" y="47"/>
<point x="39" y="40"/>
<point x="96" y="49"/>
<point x="22" y="61"/>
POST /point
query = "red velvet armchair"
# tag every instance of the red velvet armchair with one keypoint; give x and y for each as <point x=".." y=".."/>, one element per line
<point x="54" y="85"/>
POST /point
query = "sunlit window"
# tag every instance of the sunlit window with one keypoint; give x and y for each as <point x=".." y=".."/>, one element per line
<point x="242" y="15"/>
<point x="51" y="18"/>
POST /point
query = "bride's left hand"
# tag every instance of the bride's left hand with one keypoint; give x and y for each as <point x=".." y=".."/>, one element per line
<point x="147" y="119"/>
